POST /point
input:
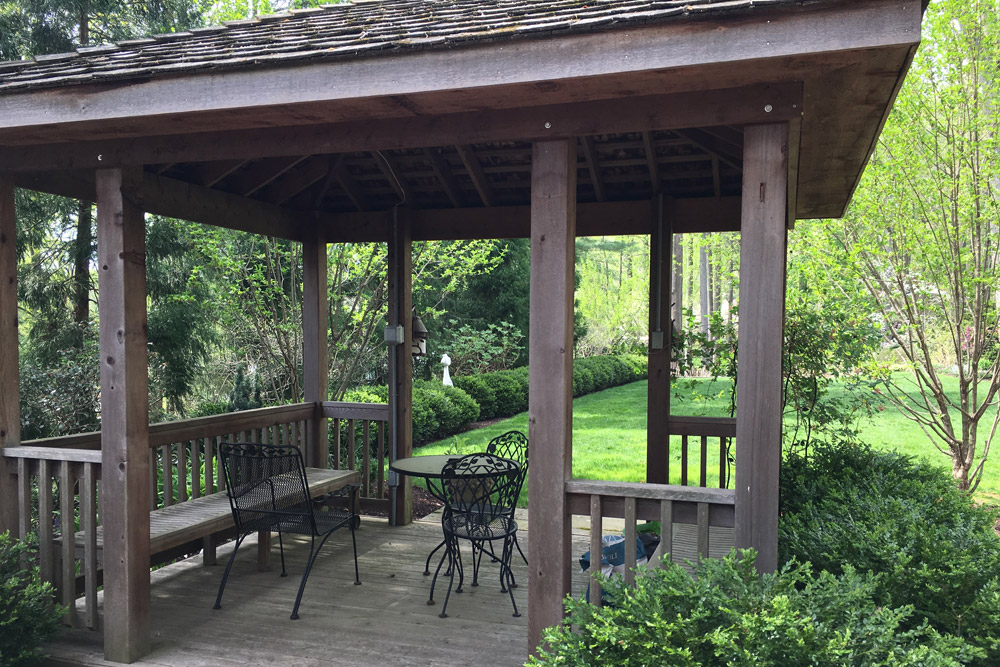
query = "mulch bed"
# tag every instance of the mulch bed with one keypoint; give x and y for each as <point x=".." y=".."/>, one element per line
<point x="423" y="504"/>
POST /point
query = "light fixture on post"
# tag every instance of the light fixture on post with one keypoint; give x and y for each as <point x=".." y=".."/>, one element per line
<point x="419" y="332"/>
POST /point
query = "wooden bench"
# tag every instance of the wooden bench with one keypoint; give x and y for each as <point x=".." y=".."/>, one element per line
<point x="201" y="523"/>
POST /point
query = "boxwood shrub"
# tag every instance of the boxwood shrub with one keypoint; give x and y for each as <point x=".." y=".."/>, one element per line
<point x="727" y="615"/>
<point x="852" y="506"/>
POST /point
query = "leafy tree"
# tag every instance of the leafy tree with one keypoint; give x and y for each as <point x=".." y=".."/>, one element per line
<point x="922" y="233"/>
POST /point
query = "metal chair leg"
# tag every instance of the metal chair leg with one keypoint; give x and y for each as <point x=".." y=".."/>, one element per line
<point x="225" y="575"/>
<point x="354" y="543"/>
<point x="451" y="581"/>
<point x="313" y="553"/>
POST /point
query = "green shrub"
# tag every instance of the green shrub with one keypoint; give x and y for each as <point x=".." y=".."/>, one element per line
<point x="850" y="506"/>
<point x="481" y="392"/>
<point x="727" y="615"/>
<point x="583" y="380"/>
<point x="28" y="617"/>
<point x="451" y="407"/>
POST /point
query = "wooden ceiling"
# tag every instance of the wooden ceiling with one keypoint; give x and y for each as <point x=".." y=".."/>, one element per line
<point x="704" y="162"/>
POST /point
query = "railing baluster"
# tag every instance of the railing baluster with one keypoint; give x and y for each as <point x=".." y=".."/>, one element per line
<point x="630" y="552"/>
<point x="182" y="466"/>
<point x="666" y="547"/>
<point x="684" y="460"/>
<point x="152" y="479"/>
<point x="336" y="444"/>
<point x="350" y="445"/>
<point x="381" y="458"/>
<point x="366" y="464"/>
<point x="703" y="480"/>
<point x="195" y="469"/>
<point x="209" y="465"/>
<point x="168" y="475"/>
<point x="596" y="533"/>
<point x="722" y="462"/>
<point x="67" y="529"/>
<point x="703" y="529"/>
<point x="88" y="520"/>
<point x="45" y="538"/>
<point x="23" y="498"/>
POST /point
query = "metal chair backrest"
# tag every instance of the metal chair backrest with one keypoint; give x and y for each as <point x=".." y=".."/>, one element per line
<point x="266" y="485"/>
<point x="480" y="487"/>
<point x="512" y="445"/>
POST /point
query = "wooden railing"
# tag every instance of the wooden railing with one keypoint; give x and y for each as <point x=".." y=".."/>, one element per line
<point x="704" y="508"/>
<point x="698" y="436"/>
<point x="60" y="477"/>
<point x="358" y="442"/>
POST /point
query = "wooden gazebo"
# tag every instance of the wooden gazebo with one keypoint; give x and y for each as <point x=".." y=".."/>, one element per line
<point x="406" y="120"/>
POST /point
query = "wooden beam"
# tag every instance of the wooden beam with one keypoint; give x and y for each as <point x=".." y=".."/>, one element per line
<point x="124" y="414"/>
<point x="593" y="166"/>
<point x="262" y="173"/>
<point x="694" y="215"/>
<point x="691" y="138"/>
<point x="296" y="181"/>
<point x="349" y="185"/>
<point x="210" y="173"/>
<point x="443" y="172"/>
<point x="550" y="380"/>
<point x="315" y="350"/>
<point x="762" y="311"/>
<point x="476" y="173"/>
<point x="10" y="410"/>
<point x="734" y="106"/>
<point x="651" y="161"/>
<point x="387" y="165"/>
<point x="660" y="336"/>
<point x="401" y="364"/>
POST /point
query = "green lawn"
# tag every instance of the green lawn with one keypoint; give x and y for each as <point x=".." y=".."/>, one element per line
<point x="609" y="435"/>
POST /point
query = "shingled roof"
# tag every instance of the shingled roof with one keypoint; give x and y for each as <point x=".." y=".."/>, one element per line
<point x="349" y="30"/>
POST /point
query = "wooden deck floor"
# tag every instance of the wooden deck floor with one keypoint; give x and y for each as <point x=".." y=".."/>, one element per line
<point x="384" y="622"/>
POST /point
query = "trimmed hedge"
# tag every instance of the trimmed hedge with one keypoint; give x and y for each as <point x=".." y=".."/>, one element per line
<point x="440" y="411"/>
<point x="505" y="393"/>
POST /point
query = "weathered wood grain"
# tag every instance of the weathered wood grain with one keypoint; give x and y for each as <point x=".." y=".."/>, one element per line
<point x="400" y="271"/>
<point x="762" y="314"/>
<point x="121" y="264"/>
<point x="660" y="337"/>
<point x="315" y="347"/>
<point x="10" y="411"/>
<point x="550" y="378"/>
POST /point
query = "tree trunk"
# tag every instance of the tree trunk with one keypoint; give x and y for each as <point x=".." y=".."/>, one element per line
<point x="82" y="249"/>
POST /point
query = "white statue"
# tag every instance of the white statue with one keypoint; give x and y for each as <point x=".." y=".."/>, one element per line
<point x="446" y="362"/>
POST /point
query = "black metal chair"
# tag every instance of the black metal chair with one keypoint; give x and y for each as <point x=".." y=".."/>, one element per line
<point x="268" y="490"/>
<point x="513" y="445"/>
<point x="481" y="492"/>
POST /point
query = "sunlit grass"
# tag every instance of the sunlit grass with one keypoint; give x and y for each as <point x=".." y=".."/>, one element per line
<point x="609" y="434"/>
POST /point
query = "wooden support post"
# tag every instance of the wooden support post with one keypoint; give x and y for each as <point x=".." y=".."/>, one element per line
<point x="550" y="380"/>
<point x="315" y="352"/>
<point x="10" y="412"/>
<point x="762" y="312"/>
<point x="121" y="255"/>
<point x="660" y="334"/>
<point x="401" y="362"/>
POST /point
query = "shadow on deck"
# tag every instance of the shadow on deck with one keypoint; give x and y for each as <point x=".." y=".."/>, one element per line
<point x="384" y="622"/>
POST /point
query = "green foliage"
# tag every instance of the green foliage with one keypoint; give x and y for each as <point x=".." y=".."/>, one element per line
<point x="612" y="294"/>
<point x="728" y="615"/>
<point x="246" y="392"/>
<point x="849" y="506"/>
<point x="59" y="395"/>
<point x="28" y="615"/>
<point x="494" y="347"/>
